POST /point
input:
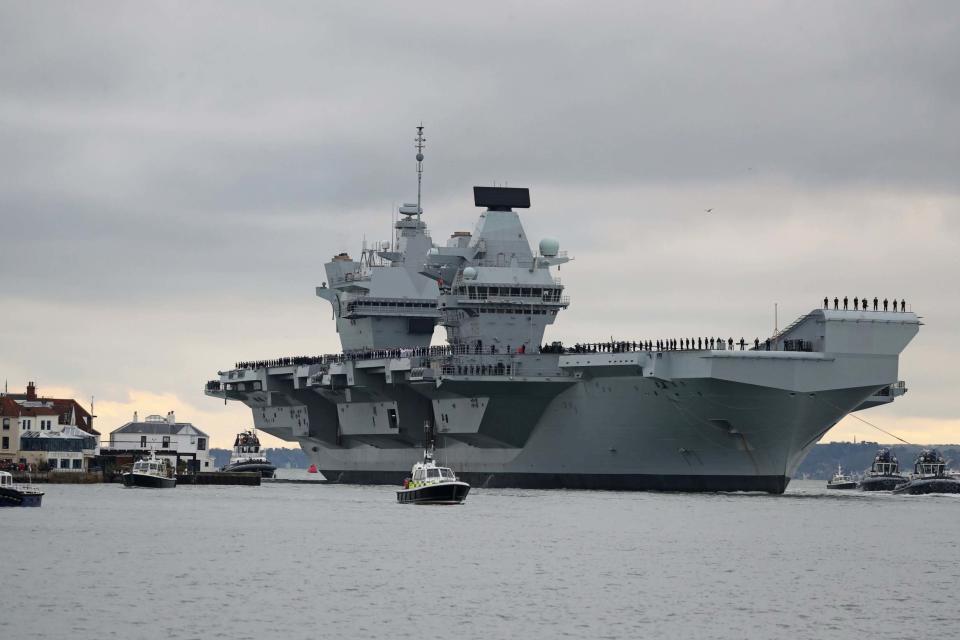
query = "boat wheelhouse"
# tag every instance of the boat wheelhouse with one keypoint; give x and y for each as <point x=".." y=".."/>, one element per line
<point x="884" y="473"/>
<point x="13" y="494"/>
<point x="247" y="457"/>
<point x="930" y="475"/>
<point x="840" y="480"/>
<point x="152" y="472"/>
<point x="432" y="484"/>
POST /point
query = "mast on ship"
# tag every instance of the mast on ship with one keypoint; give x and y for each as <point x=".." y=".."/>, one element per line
<point x="428" y="442"/>
<point x="420" y="143"/>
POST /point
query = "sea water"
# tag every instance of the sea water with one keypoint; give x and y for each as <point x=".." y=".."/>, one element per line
<point x="334" y="561"/>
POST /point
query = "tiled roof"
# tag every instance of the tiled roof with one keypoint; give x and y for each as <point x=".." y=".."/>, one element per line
<point x="11" y="408"/>
<point x="62" y="407"/>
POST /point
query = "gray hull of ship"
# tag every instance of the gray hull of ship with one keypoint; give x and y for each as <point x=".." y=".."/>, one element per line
<point x="626" y="433"/>
<point x="695" y="420"/>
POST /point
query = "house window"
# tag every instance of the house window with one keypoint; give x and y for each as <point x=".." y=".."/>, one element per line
<point x="64" y="464"/>
<point x="6" y="424"/>
<point x="166" y="442"/>
<point x="143" y="442"/>
<point x="201" y="444"/>
<point x="25" y="423"/>
<point x="53" y="463"/>
<point x="6" y="442"/>
<point x="78" y="464"/>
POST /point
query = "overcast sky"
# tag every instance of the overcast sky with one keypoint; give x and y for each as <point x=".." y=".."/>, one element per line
<point x="173" y="176"/>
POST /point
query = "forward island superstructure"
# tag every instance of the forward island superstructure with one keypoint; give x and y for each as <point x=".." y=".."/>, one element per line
<point x="512" y="411"/>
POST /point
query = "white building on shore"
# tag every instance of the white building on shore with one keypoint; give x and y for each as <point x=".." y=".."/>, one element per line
<point x="165" y="436"/>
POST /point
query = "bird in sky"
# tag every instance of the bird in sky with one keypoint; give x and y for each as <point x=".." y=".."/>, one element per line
<point x="709" y="210"/>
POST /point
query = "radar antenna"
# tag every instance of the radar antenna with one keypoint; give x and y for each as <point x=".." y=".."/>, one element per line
<point x="420" y="140"/>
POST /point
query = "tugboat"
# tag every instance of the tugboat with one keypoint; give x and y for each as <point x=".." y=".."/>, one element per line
<point x="18" y="495"/>
<point x="430" y="484"/>
<point x="930" y="475"/>
<point x="841" y="480"/>
<point x="246" y="456"/>
<point x="884" y="474"/>
<point x="153" y="472"/>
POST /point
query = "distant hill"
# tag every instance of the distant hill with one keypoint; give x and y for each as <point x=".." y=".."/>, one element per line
<point x="822" y="462"/>
<point x="283" y="458"/>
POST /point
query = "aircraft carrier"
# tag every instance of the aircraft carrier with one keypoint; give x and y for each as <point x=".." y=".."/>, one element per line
<point x="511" y="412"/>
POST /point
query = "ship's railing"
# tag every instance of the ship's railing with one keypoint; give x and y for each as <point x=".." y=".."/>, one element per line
<point x="508" y="261"/>
<point x="422" y="355"/>
<point x="403" y="308"/>
<point x="774" y="339"/>
<point x="350" y="278"/>
<point x="514" y="368"/>
<point x="516" y="300"/>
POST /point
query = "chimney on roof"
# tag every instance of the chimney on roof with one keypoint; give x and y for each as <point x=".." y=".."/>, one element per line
<point x="135" y="419"/>
<point x="31" y="391"/>
<point x="171" y="419"/>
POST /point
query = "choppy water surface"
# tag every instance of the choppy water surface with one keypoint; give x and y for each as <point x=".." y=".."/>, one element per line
<point x="298" y="561"/>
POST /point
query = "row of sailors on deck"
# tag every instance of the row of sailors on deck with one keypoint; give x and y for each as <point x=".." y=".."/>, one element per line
<point x="477" y="348"/>
<point x="857" y="302"/>
<point x="361" y="354"/>
<point x="682" y="344"/>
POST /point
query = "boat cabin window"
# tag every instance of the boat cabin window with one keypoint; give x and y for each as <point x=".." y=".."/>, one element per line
<point x="433" y="473"/>
<point x="6" y="479"/>
<point x="446" y="473"/>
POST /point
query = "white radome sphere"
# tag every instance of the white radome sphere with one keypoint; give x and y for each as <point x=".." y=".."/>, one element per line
<point x="469" y="273"/>
<point x="549" y="247"/>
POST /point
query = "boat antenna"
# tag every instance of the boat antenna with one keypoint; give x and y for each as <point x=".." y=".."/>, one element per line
<point x="420" y="140"/>
<point x="428" y="436"/>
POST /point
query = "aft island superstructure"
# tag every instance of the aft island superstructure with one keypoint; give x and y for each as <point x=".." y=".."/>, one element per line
<point x="513" y="412"/>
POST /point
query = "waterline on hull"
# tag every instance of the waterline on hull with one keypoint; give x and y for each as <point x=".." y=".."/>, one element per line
<point x="596" y="481"/>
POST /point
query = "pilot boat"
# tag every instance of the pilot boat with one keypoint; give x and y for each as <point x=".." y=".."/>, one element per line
<point x="429" y="483"/>
<point x="152" y="472"/>
<point x="246" y="456"/>
<point x="930" y="475"/>
<point x="884" y="473"/>
<point x="841" y="481"/>
<point x="18" y="495"/>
